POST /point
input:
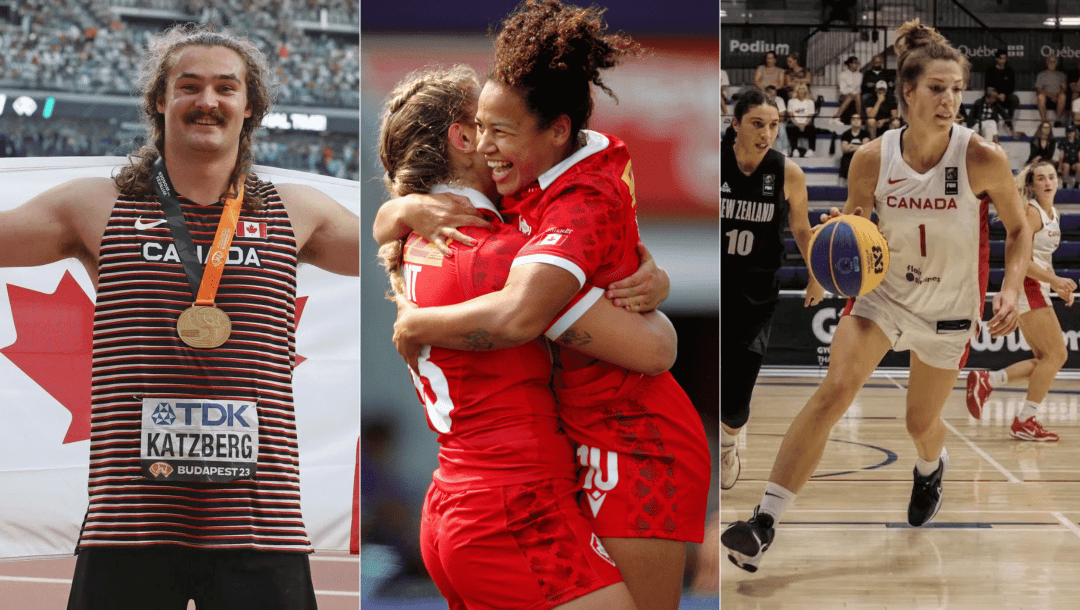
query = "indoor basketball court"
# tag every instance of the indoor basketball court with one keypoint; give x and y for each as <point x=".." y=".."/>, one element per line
<point x="1005" y="537"/>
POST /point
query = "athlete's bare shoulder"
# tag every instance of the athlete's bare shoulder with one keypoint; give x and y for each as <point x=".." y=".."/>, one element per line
<point x="67" y="220"/>
<point x="980" y="151"/>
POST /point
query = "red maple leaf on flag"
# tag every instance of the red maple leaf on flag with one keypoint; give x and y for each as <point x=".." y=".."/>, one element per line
<point x="53" y="346"/>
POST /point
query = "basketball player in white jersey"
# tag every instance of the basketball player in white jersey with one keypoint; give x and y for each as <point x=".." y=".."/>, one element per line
<point x="925" y="182"/>
<point x="1038" y="184"/>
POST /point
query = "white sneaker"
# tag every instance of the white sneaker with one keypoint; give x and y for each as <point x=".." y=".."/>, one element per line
<point x="730" y="466"/>
<point x="809" y="153"/>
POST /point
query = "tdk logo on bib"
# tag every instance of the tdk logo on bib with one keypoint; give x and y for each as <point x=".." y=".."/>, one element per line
<point x="199" y="440"/>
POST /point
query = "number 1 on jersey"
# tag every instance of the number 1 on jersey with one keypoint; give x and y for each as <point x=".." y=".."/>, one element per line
<point x="922" y="239"/>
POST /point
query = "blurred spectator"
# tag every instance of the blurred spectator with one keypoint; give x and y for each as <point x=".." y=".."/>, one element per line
<point x="850" y="141"/>
<point x="850" y="84"/>
<point x="781" y="142"/>
<point x="1050" y="90"/>
<point x="874" y="74"/>
<point x="724" y="83"/>
<point x="796" y="75"/>
<point x="801" y="110"/>
<point x="896" y="123"/>
<point x="985" y="114"/>
<point x="1001" y="77"/>
<point x="768" y="74"/>
<point x="1043" y="143"/>
<point x="838" y="10"/>
<point x="1072" y="81"/>
<point x="1069" y="163"/>
<point x="881" y="109"/>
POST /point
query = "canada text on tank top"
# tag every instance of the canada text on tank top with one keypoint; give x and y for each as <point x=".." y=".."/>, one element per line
<point x="1047" y="239"/>
<point x="493" y="410"/>
<point x="581" y="215"/>
<point x="147" y="385"/>
<point x="933" y="224"/>
<point x="753" y="211"/>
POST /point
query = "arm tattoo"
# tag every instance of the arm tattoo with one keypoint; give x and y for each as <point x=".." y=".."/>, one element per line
<point x="574" y="337"/>
<point x="478" y="340"/>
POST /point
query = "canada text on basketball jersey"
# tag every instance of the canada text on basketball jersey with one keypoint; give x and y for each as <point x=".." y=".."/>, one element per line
<point x="920" y="203"/>
<point x="753" y="211"/>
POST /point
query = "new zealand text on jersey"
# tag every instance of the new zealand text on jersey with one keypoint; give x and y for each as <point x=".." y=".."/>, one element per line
<point x="753" y="211"/>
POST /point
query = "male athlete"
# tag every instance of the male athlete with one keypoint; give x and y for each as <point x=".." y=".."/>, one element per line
<point x="194" y="474"/>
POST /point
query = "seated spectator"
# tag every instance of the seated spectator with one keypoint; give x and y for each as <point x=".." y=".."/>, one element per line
<point x="724" y="83"/>
<point x="781" y="142"/>
<point x="768" y="74"/>
<point x="795" y="75"/>
<point x="874" y="74"/>
<point x="985" y="114"/>
<point x="1050" y="90"/>
<point x="1001" y="77"/>
<point x="1043" y="144"/>
<point x="1069" y="162"/>
<point x="850" y="83"/>
<point x="896" y="123"/>
<point x="850" y="141"/>
<point x="881" y="110"/>
<point x="1072" y="82"/>
<point x="801" y="110"/>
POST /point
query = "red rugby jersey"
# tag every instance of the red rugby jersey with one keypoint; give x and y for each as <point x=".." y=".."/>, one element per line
<point x="581" y="215"/>
<point x="494" y="410"/>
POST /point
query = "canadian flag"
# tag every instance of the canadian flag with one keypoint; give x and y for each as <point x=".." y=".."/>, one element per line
<point x="253" y="229"/>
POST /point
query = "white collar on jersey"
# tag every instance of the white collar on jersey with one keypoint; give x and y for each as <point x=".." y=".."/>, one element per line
<point x="478" y="199"/>
<point x="594" y="143"/>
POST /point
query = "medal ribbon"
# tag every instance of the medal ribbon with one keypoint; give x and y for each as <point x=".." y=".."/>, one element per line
<point x="204" y="285"/>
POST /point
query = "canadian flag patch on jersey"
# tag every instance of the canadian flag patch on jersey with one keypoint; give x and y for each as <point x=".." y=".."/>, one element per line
<point x="552" y="239"/>
<point x="253" y="229"/>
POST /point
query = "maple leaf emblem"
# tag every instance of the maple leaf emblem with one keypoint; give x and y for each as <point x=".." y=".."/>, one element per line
<point x="54" y="345"/>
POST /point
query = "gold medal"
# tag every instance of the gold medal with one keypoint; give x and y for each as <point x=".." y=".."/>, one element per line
<point x="204" y="326"/>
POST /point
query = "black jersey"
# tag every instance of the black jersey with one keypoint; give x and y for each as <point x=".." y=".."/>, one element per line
<point x="753" y="212"/>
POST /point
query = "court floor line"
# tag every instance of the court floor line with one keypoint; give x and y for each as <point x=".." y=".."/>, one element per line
<point x="1005" y="472"/>
<point x="1072" y="527"/>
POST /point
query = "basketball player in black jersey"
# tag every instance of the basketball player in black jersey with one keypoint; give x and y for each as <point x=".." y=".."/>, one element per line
<point x="761" y="188"/>
<point x="227" y="544"/>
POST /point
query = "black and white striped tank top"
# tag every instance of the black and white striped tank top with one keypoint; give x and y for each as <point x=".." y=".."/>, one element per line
<point x="138" y="355"/>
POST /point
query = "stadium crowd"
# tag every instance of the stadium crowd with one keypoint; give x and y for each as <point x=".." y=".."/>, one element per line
<point x="88" y="48"/>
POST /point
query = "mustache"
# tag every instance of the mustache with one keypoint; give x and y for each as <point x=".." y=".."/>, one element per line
<point x="193" y="115"/>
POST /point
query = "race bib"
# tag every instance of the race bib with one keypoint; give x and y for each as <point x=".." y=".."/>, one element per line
<point x="210" y="441"/>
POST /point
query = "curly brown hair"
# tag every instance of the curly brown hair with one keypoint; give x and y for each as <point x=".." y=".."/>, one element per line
<point x="552" y="52"/>
<point x="133" y="180"/>
<point x="916" y="46"/>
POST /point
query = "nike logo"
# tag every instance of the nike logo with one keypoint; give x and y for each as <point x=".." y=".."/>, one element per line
<point x="142" y="226"/>
<point x="892" y="181"/>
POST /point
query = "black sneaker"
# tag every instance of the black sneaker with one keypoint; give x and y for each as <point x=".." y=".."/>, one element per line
<point x="747" y="541"/>
<point x="926" y="494"/>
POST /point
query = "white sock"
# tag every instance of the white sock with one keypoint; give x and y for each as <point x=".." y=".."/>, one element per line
<point x="776" y="500"/>
<point x="998" y="378"/>
<point x="927" y="468"/>
<point x="727" y="440"/>
<point x="1029" y="410"/>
